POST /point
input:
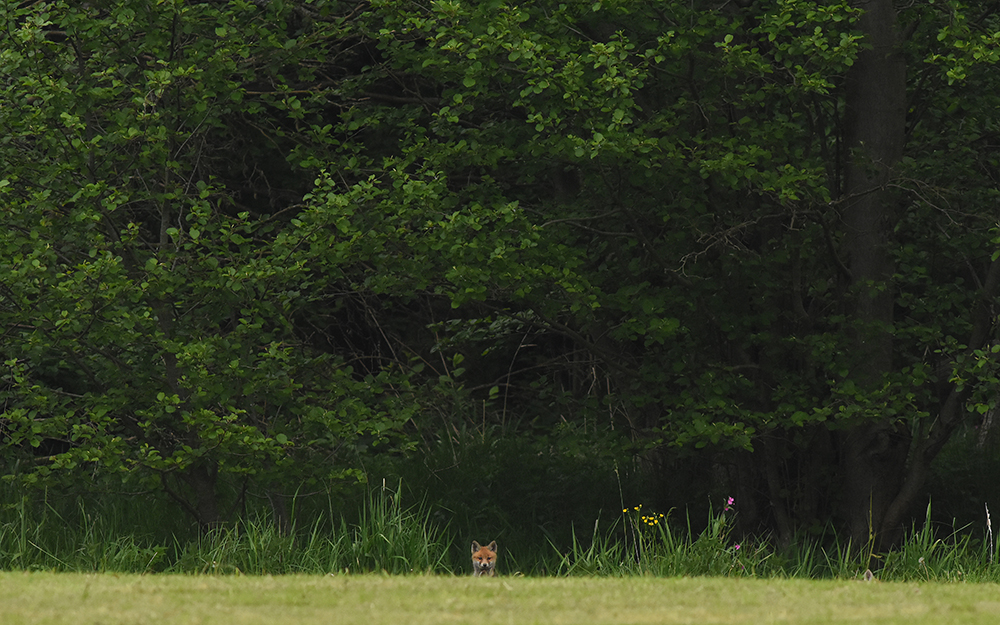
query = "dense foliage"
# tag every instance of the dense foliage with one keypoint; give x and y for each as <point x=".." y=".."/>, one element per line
<point x="255" y="245"/>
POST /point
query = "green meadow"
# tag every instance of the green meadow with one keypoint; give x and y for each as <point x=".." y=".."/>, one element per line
<point x="56" y="598"/>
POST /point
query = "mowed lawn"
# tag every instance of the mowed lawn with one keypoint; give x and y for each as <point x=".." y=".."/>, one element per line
<point x="78" y="599"/>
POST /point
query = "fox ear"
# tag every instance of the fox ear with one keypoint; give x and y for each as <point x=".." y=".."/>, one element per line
<point x="492" y="546"/>
<point x="475" y="547"/>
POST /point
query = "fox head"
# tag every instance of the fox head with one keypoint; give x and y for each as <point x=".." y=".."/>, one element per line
<point x="484" y="559"/>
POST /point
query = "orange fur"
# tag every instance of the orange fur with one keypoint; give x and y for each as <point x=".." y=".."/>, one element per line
<point x="484" y="559"/>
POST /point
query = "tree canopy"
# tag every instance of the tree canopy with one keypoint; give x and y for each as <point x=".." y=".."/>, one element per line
<point x="244" y="242"/>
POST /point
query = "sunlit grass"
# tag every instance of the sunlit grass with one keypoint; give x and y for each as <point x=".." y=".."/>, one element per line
<point x="48" y="598"/>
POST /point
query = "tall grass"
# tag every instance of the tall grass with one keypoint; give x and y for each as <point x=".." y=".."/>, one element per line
<point x="648" y="544"/>
<point x="37" y="536"/>
<point x="651" y="544"/>
<point x="388" y="536"/>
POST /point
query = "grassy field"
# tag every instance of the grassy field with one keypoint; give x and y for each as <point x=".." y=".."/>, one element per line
<point x="81" y="599"/>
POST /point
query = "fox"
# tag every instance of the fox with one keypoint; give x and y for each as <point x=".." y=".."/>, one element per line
<point x="484" y="559"/>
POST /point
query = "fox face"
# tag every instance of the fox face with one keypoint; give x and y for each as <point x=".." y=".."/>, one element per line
<point x="484" y="559"/>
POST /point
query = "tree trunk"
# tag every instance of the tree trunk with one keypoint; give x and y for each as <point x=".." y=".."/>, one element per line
<point x="203" y="502"/>
<point x="873" y="454"/>
<point x="952" y="409"/>
<point x="201" y="479"/>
